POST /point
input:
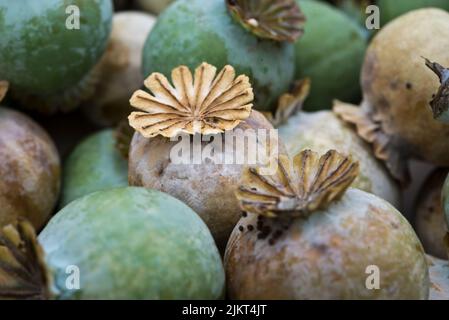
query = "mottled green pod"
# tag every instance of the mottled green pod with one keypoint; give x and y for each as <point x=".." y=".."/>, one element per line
<point x="94" y="165"/>
<point x="43" y="53"/>
<point x="190" y="32"/>
<point x="392" y="9"/>
<point x="132" y="243"/>
<point x="330" y="53"/>
<point x="323" y="131"/>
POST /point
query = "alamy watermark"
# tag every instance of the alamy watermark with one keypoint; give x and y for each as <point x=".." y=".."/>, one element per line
<point x="252" y="147"/>
<point x="72" y="21"/>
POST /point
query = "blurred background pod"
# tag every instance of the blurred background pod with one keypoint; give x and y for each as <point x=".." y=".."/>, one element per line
<point x="219" y="32"/>
<point x="57" y="75"/>
<point x="29" y="170"/>
<point x="390" y="10"/>
<point x="330" y="53"/>
<point x="429" y="216"/>
<point x="119" y="70"/>
<point x="94" y="165"/>
<point x="154" y="6"/>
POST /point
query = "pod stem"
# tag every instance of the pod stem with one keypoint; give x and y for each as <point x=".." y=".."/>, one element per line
<point x="23" y="273"/>
<point x="278" y="20"/>
<point x="299" y="187"/>
<point x="440" y="101"/>
<point x="371" y="131"/>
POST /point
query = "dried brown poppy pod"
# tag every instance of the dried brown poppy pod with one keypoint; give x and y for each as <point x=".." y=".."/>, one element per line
<point x="204" y="105"/>
<point x="439" y="278"/>
<point x="120" y="68"/>
<point x="29" y="169"/>
<point x="429" y="215"/>
<point x="305" y="236"/>
<point x="395" y="116"/>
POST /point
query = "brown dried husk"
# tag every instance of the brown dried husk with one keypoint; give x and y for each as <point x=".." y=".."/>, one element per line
<point x="290" y="103"/>
<point x="23" y="273"/>
<point x="440" y="102"/>
<point x="206" y="103"/>
<point x="299" y="187"/>
<point x="279" y="20"/>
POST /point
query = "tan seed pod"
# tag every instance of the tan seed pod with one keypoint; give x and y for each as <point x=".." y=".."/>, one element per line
<point x="119" y="70"/>
<point x="304" y="236"/>
<point x="205" y="105"/>
<point x="395" y="116"/>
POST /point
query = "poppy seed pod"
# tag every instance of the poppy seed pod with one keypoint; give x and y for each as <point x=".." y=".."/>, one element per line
<point x="60" y="74"/>
<point x="395" y="116"/>
<point x="305" y="236"/>
<point x="210" y="112"/>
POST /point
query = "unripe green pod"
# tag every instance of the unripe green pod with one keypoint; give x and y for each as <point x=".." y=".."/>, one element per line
<point x="94" y="165"/>
<point x="190" y="32"/>
<point x="330" y="53"/>
<point x="125" y="243"/>
<point x="390" y="10"/>
<point x="44" y="55"/>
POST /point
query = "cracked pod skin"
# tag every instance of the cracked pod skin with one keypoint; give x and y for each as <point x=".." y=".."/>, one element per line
<point x="398" y="86"/>
<point x="429" y="216"/>
<point x="192" y="31"/>
<point x="119" y="69"/>
<point x="29" y="170"/>
<point x="94" y="165"/>
<point x="331" y="54"/>
<point x="392" y="9"/>
<point x="325" y="256"/>
<point x="42" y="59"/>
<point x="208" y="188"/>
<point x="132" y="243"/>
<point x="322" y="131"/>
